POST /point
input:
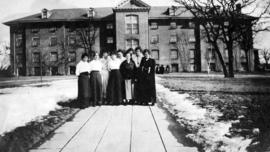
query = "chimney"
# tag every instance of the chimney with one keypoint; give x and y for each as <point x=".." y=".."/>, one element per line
<point x="238" y="8"/>
<point x="44" y="13"/>
<point x="91" y="12"/>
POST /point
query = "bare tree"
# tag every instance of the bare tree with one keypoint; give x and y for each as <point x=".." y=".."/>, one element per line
<point x="65" y="57"/>
<point x="265" y="53"/>
<point x="87" y="35"/>
<point x="222" y="21"/>
<point x="183" y="46"/>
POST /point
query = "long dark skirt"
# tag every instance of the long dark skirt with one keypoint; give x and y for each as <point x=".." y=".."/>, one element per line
<point x="96" y="88"/>
<point x="114" y="89"/>
<point x="83" y="90"/>
<point x="148" y="89"/>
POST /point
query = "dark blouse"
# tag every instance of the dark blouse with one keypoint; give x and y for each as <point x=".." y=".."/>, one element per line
<point x="128" y="69"/>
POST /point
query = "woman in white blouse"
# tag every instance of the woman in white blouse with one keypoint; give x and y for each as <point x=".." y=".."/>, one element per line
<point x="82" y="71"/>
<point x="114" y="89"/>
<point x="95" y="80"/>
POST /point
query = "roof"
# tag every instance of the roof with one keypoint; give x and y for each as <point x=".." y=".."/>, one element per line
<point x="78" y="14"/>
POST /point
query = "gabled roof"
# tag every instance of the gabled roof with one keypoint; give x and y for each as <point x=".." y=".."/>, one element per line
<point x="132" y="3"/>
<point x="103" y="13"/>
<point x="75" y="14"/>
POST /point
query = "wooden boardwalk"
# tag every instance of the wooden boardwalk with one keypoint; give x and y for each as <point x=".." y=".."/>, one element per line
<point x="118" y="129"/>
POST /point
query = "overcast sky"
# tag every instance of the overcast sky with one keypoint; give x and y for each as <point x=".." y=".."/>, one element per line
<point x="13" y="9"/>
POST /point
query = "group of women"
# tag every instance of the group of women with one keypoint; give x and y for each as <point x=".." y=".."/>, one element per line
<point x="118" y="78"/>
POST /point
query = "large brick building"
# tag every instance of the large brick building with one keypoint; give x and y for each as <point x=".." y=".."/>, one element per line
<point x="173" y="36"/>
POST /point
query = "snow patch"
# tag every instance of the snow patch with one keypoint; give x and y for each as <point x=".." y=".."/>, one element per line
<point x="21" y="105"/>
<point x="203" y="124"/>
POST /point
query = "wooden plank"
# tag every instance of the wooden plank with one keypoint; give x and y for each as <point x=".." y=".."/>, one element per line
<point x="172" y="134"/>
<point x="145" y="137"/>
<point x="117" y="136"/>
<point x="88" y="138"/>
<point x="65" y="132"/>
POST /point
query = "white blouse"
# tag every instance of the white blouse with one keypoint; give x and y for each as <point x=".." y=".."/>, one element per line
<point x="82" y="67"/>
<point x="114" y="64"/>
<point x="95" y="65"/>
<point x="137" y="60"/>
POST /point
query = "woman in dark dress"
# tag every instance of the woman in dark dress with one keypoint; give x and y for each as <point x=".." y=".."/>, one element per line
<point x="82" y="71"/>
<point x="127" y="70"/>
<point x="95" y="80"/>
<point x="148" y="87"/>
<point x="114" y="89"/>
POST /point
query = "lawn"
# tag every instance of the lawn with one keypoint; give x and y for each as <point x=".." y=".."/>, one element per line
<point x="237" y="113"/>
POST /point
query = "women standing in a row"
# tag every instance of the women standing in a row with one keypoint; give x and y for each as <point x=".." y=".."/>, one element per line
<point x="82" y="71"/>
<point x="127" y="70"/>
<point x="95" y="80"/>
<point x="114" y="89"/>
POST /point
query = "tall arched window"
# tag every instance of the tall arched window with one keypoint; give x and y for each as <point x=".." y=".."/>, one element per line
<point x="132" y="24"/>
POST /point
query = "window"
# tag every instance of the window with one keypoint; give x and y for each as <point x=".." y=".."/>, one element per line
<point x="54" y="70"/>
<point x="174" y="54"/>
<point x="37" y="71"/>
<point x="35" y="30"/>
<point x="191" y="54"/>
<point x="52" y="30"/>
<point x="70" y="29"/>
<point x="154" y="39"/>
<point x="71" y="40"/>
<point x="154" y="26"/>
<point x="191" y="25"/>
<point x="35" y="41"/>
<point x="72" y="70"/>
<point x="53" y="41"/>
<point x="36" y="57"/>
<point x="155" y="54"/>
<point x="132" y="43"/>
<point x="213" y="66"/>
<point x="132" y="24"/>
<point x="211" y="54"/>
<point x="72" y="56"/>
<point x="109" y="40"/>
<point x="174" y="67"/>
<point x="172" y="11"/>
<point x="243" y="56"/>
<point x="173" y="39"/>
<point x="54" y="57"/>
<point x="19" y="42"/>
<point x="19" y="58"/>
<point x="173" y="25"/>
<point x="192" y="39"/>
<point x="109" y="26"/>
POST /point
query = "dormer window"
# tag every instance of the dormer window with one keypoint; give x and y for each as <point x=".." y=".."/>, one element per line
<point x="173" y="25"/>
<point x="154" y="25"/>
<point x="172" y="11"/>
<point x="109" y="26"/>
<point x="44" y="13"/>
<point x="91" y="13"/>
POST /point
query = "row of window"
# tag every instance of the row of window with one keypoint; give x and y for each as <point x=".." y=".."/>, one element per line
<point x="173" y="39"/>
<point x="53" y="70"/>
<point x="54" y="41"/>
<point x="54" y="57"/>
<point x="109" y="26"/>
<point x="174" y="54"/>
<point x="173" y="25"/>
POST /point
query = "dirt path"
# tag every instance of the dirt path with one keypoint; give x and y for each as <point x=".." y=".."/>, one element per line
<point x="119" y="129"/>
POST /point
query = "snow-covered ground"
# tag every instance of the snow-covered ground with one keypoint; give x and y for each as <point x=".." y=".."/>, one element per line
<point x="203" y="124"/>
<point x="20" y="105"/>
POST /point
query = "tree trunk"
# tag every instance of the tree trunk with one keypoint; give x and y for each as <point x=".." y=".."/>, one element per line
<point x="225" y="72"/>
<point x="230" y="55"/>
<point x="247" y="60"/>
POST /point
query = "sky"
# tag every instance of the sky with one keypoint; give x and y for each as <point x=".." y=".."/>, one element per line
<point x="13" y="9"/>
